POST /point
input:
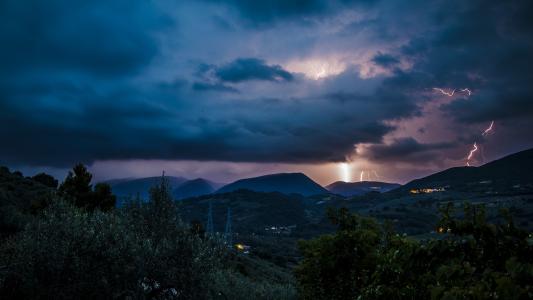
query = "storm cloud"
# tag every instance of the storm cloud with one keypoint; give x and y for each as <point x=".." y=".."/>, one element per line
<point x="260" y="81"/>
<point x="244" y="69"/>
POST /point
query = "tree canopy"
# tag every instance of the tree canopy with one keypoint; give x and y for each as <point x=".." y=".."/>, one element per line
<point x="78" y="189"/>
<point x="471" y="259"/>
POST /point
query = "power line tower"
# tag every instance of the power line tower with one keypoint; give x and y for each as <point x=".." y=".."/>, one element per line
<point x="228" y="235"/>
<point x="210" y="228"/>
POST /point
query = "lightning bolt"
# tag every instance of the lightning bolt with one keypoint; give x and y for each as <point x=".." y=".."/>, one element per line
<point x="449" y="94"/>
<point x="453" y="92"/>
<point x="471" y="154"/>
<point x="474" y="149"/>
<point x="484" y="133"/>
<point x="466" y="90"/>
<point x="361" y="176"/>
<point x="488" y="130"/>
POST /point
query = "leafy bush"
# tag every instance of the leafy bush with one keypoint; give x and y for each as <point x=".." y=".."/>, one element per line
<point x="228" y="284"/>
<point x="140" y="252"/>
<point x="473" y="260"/>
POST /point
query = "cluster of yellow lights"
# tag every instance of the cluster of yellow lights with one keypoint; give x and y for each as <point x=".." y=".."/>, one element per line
<point x="444" y="230"/>
<point x="426" y="191"/>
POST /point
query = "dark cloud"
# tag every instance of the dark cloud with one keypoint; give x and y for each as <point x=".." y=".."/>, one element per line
<point x="481" y="45"/>
<point x="244" y="69"/>
<point x="217" y="87"/>
<point x="95" y="37"/>
<point x="265" y="12"/>
<point x="385" y="60"/>
<point x="405" y="150"/>
<point x="86" y="81"/>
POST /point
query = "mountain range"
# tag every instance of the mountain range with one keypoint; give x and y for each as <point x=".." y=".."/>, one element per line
<point x="510" y="172"/>
<point x="294" y="199"/>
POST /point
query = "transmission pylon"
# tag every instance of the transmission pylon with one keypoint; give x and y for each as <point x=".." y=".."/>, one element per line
<point x="210" y="228"/>
<point x="228" y="235"/>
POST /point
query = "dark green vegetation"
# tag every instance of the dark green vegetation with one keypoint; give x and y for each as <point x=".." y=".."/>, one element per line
<point x="20" y="199"/>
<point x="365" y="260"/>
<point x="77" y="189"/>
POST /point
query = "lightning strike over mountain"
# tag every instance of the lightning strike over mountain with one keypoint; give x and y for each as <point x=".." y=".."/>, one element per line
<point x="471" y="154"/>
<point x="361" y="176"/>
<point x="345" y="172"/>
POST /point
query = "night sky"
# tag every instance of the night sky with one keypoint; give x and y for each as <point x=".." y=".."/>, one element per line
<point x="229" y="89"/>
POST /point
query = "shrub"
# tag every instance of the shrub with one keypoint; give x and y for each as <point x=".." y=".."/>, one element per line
<point x="473" y="260"/>
<point x="228" y="284"/>
<point x="140" y="252"/>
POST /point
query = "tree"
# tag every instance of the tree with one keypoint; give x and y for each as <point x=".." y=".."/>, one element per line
<point x="338" y="266"/>
<point x="103" y="197"/>
<point x="77" y="189"/>
<point x="46" y="180"/>
<point x="163" y="214"/>
<point x="473" y="259"/>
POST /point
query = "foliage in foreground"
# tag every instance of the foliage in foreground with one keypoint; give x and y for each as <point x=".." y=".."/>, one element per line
<point x="140" y="252"/>
<point x="229" y="284"/>
<point x="364" y="260"/>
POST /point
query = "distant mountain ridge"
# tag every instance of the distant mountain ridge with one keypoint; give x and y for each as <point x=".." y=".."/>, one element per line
<point x="286" y="183"/>
<point x="140" y="186"/>
<point x="180" y="187"/>
<point x="360" y="188"/>
<point x="194" y="188"/>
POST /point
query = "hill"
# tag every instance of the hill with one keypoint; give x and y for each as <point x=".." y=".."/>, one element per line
<point x="251" y="211"/>
<point x="131" y="187"/>
<point x="511" y="173"/>
<point x="194" y="188"/>
<point x="286" y="183"/>
<point x="360" y="188"/>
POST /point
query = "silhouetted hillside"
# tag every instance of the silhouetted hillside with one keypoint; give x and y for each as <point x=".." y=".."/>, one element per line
<point x="193" y="188"/>
<point x="131" y="187"/>
<point x="510" y="173"/>
<point x="251" y="211"/>
<point x="360" y="188"/>
<point x="287" y="183"/>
